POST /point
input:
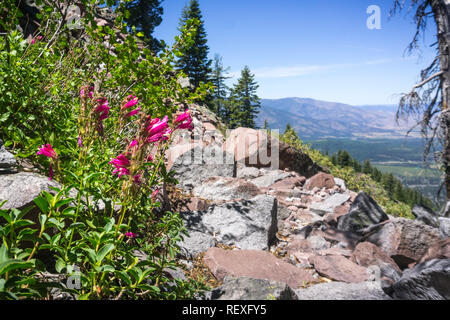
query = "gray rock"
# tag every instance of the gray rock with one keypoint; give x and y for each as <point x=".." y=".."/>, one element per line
<point x="343" y="291"/>
<point x="247" y="172"/>
<point x="248" y="224"/>
<point x="7" y="161"/>
<point x="363" y="213"/>
<point x="318" y="243"/>
<point x="245" y="288"/>
<point x="20" y="189"/>
<point x="425" y="215"/>
<point x="327" y="206"/>
<point x="195" y="243"/>
<point x="446" y="210"/>
<point x="444" y="227"/>
<point x="426" y="281"/>
<point x="340" y="183"/>
<point x="225" y="188"/>
<point x="270" y="178"/>
<point x="197" y="164"/>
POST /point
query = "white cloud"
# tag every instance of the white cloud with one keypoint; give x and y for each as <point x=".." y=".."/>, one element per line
<point x="301" y="70"/>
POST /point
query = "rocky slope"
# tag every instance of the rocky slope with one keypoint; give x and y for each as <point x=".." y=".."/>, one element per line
<point x="274" y="225"/>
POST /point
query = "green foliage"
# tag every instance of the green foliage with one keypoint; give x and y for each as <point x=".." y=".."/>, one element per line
<point x="244" y="102"/>
<point x="96" y="224"/>
<point x="193" y="60"/>
<point x="354" y="180"/>
<point x="219" y="95"/>
<point x="145" y="16"/>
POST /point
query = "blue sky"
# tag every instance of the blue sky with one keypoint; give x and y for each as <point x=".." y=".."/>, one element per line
<point x="319" y="49"/>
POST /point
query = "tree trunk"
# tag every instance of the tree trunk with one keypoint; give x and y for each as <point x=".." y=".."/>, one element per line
<point x="441" y="10"/>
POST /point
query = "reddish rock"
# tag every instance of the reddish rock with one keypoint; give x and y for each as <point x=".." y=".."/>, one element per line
<point x="320" y="180"/>
<point x="405" y="241"/>
<point x="335" y="251"/>
<point x="339" y="268"/>
<point x="341" y="210"/>
<point x="254" y="149"/>
<point x="367" y="254"/>
<point x="439" y="250"/>
<point x="289" y="183"/>
<point x="255" y="264"/>
<point x="191" y="205"/>
<point x="208" y="126"/>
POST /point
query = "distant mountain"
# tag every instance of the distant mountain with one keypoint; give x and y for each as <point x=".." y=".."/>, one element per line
<point x="315" y="119"/>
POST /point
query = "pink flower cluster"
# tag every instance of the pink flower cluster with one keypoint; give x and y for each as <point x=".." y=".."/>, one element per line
<point x="153" y="131"/>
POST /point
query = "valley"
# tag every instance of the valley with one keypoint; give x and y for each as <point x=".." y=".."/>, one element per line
<point x="366" y="132"/>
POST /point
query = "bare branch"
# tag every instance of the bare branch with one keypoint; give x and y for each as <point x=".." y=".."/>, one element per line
<point x="421" y="84"/>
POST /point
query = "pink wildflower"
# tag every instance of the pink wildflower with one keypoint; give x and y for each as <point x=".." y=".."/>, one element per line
<point x="90" y="91"/>
<point x="121" y="163"/>
<point x="184" y="121"/>
<point x="132" y="101"/>
<point x="47" y="150"/>
<point x="131" y="235"/>
<point x="132" y="113"/>
<point x="157" y="130"/>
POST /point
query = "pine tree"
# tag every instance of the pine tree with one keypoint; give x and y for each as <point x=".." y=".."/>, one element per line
<point x="194" y="61"/>
<point x="219" y="95"/>
<point x="245" y="101"/>
<point x="266" y="124"/>
<point x="145" y="16"/>
<point x="367" y="167"/>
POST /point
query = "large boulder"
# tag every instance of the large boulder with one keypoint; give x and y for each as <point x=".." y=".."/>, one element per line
<point x="7" y="161"/>
<point x="339" y="268"/>
<point x="225" y="188"/>
<point x="426" y="281"/>
<point x="425" y="215"/>
<point x="404" y="240"/>
<point x="199" y="163"/>
<point x="254" y="148"/>
<point x="247" y="224"/>
<point x="255" y="264"/>
<point x="22" y="188"/>
<point x="342" y="291"/>
<point x="320" y="180"/>
<point x="363" y="213"/>
<point x="245" y="288"/>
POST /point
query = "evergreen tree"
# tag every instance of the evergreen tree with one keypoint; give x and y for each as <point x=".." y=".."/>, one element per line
<point x="244" y="101"/>
<point x="218" y="77"/>
<point x="266" y="124"/>
<point x="367" y="167"/>
<point x="145" y="16"/>
<point x="194" y="61"/>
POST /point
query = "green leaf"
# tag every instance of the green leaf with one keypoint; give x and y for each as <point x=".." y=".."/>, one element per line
<point x="104" y="251"/>
<point x="60" y="265"/>
<point x="14" y="264"/>
<point x="124" y="277"/>
<point x="42" y="219"/>
<point x="3" y="254"/>
<point x="60" y="203"/>
<point x="42" y="204"/>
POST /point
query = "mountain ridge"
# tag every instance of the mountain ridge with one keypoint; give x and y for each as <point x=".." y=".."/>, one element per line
<point x="316" y="119"/>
